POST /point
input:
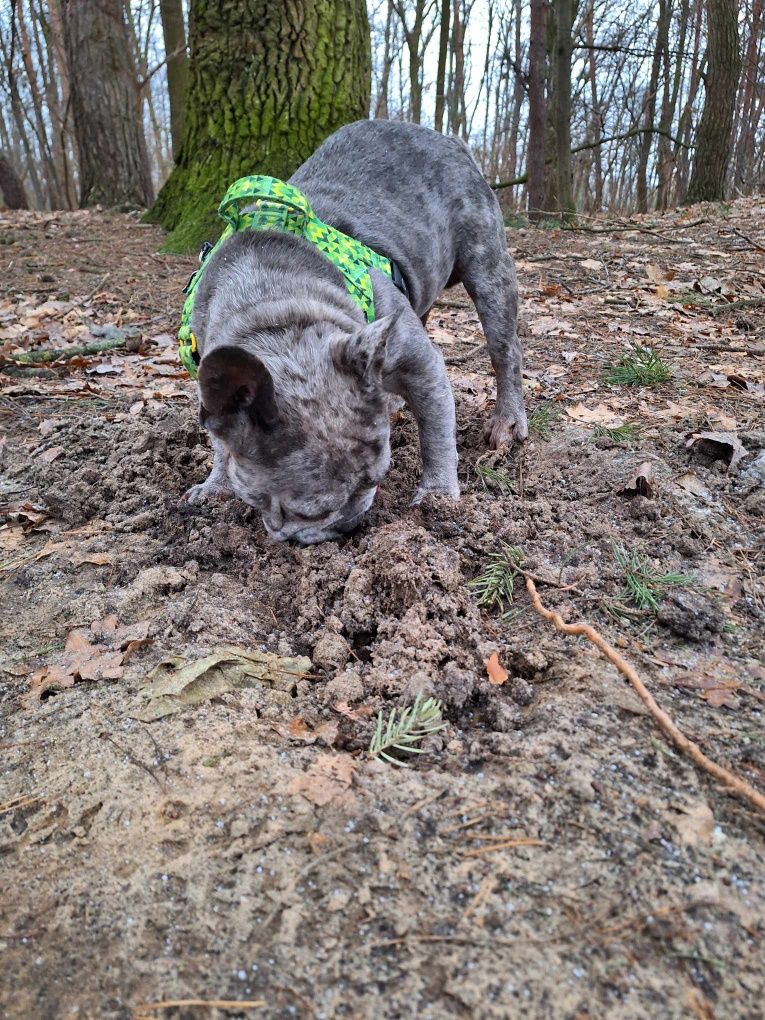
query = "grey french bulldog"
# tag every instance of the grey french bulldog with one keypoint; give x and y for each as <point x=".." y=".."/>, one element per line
<point x="296" y="387"/>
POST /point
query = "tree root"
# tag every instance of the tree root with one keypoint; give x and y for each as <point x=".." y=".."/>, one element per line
<point x="734" y="783"/>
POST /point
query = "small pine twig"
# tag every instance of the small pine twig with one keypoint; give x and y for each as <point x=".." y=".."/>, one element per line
<point x="642" y="584"/>
<point x="415" y="723"/>
<point x="494" y="479"/>
<point x="543" y="418"/>
<point x="496" y="584"/>
<point x="641" y="367"/>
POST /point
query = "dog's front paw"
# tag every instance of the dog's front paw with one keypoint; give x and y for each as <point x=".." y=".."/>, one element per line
<point x="504" y="431"/>
<point x="450" y="490"/>
<point x="205" y="492"/>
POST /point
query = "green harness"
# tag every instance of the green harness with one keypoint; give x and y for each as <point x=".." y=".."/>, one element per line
<point x="283" y="208"/>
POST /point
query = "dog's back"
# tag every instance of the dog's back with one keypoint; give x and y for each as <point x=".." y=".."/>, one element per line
<point x="406" y="191"/>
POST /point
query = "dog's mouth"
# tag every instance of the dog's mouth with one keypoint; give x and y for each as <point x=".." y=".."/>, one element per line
<point x="331" y="527"/>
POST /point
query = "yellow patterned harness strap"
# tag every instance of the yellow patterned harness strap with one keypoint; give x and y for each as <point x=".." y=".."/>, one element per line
<point x="281" y="207"/>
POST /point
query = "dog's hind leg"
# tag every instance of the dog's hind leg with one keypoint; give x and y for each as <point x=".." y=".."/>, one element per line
<point x="490" y="280"/>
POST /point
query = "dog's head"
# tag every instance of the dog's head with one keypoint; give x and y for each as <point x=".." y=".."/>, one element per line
<point x="307" y="430"/>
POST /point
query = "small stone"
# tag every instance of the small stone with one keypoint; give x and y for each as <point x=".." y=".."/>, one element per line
<point x="521" y="690"/>
<point x="528" y="663"/>
<point x="345" y="687"/>
<point x="332" y="651"/>
<point x="691" y="615"/>
<point x="504" y="716"/>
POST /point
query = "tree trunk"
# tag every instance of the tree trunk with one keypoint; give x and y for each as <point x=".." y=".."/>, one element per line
<point x="443" y="48"/>
<point x="565" y="18"/>
<point x="537" y="108"/>
<point x="11" y="187"/>
<point x="669" y="106"/>
<point x="596" y="117"/>
<point x="649" y="109"/>
<point x="114" y="166"/>
<point x="268" y="83"/>
<point x="743" y="177"/>
<point x="174" y="33"/>
<point x="381" y="103"/>
<point x="714" y="138"/>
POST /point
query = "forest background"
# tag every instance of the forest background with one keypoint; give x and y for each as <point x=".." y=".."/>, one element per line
<point x="568" y="106"/>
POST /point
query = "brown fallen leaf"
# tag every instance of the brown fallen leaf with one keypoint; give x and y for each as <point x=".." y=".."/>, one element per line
<point x="694" y="822"/>
<point x="328" y="779"/>
<point x="497" y="673"/>
<point x="720" y="697"/>
<point x="298" y="729"/>
<point x="91" y="653"/>
<point x="724" y="446"/>
<point x="357" y="714"/>
<point x="95" y="559"/>
<point x="178" y="683"/>
<point x="601" y="414"/>
<point x="48" y="456"/>
<point x="642" y="482"/>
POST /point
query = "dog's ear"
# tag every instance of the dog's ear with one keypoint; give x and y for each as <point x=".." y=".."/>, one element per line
<point x="231" y="380"/>
<point x="363" y="354"/>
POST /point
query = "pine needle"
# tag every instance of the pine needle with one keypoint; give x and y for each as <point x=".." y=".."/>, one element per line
<point x="496" y="584"/>
<point x="401" y="733"/>
<point x="542" y="419"/>
<point x="641" y="367"/>
<point x="643" y="585"/>
<point x="619" y="434"/>
<point x="494" y="479"/>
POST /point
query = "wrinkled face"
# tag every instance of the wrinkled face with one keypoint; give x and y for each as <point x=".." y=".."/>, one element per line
<point x="306" y="447"/>
<point x="308" y="490"/>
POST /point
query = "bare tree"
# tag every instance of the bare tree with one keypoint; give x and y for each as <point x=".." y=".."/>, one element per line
<point x="174" y="32"/>
<point x="11" y="187"/>
<point x="114" y="166"/>
<point x="537" y="107"/>
<point x="714" y="138"/>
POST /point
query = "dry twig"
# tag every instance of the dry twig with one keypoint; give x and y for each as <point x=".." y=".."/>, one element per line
<point x="734" y="783"/>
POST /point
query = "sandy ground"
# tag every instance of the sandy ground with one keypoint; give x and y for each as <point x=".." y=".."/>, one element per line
<point x="551" y="855"/>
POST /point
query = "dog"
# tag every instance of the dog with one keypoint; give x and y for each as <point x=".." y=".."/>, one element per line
<point x="296" y="386"/>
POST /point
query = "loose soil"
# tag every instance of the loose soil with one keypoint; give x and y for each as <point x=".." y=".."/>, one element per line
<point x="550" y="855"/>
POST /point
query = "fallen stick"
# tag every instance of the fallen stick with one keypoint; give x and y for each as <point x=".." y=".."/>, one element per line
<point x="209" y="1003"/>
<point x="734" y="783"/>
<point x="46" y="355"/>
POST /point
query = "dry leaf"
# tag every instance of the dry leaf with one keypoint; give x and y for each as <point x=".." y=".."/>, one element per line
<point x="599" y="415"/>
<point x="48" y="456"/>
<point x="327" y="779"/>
<point x="96" y="559"/>
<point x="694" y="822"/>
<point x="720" y="697"/>
<point x="298" y="729"/>
<point x="357" y="714"/>
<point x="497" y="673"/>
<point x="691" y="482"/>
<point x="642" y="482"/>
<point x="718" y="446"/>
<point x="177" y="683"/>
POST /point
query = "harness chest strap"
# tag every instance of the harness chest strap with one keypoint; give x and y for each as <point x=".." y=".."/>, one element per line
<point x="284" y="208"/>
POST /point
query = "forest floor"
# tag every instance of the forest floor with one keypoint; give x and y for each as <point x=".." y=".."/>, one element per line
<point x="551" y="855"/>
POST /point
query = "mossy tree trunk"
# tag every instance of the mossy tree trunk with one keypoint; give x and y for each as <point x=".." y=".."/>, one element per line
<point x="268" y="82"/>
<point x="714" y="139"/>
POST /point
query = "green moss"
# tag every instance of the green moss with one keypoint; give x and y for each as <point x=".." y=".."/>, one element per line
<point x="267" y="86"/>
